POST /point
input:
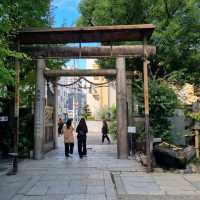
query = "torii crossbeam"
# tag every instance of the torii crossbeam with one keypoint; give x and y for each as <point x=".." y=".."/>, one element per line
<point x="88" y="52"/>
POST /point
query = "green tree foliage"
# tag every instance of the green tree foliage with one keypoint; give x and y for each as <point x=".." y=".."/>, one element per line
<point x="6" y="74"/>
<point x="194" y="115"/>
<point x="15" y="15"/>
<point x="176" y="35"/>
<point x="86" y="112"/>
<point x="177" y="38"/>
<point x="109" y="12"/>
<point x="163" y="101"/>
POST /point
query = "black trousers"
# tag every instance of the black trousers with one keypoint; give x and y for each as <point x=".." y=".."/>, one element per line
<point x="105" y="136"/>
<point x="82" y="150"/>
<point x="59" y="131"/>
<point x="69" y="147"/>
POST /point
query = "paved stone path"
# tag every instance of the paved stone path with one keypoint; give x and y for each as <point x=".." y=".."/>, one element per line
<point x="100" y="176"/>
<point x="165" y="186"/>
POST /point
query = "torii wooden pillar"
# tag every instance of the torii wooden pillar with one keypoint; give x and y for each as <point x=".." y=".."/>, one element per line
<point x="122" y="140"/>
<point x="146" y="109"/>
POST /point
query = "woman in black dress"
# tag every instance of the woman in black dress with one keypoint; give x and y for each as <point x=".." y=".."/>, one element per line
<point x="104" y="131"/>
<point x="82" y="137"/>
<point x="60" y="126"/>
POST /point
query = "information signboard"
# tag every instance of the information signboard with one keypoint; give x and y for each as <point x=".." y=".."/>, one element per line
<point x="131" y="129"/>
<point x="3" y="118"/>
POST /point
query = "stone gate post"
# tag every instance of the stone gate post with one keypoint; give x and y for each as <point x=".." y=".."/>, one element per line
<point x="39" y="110"/>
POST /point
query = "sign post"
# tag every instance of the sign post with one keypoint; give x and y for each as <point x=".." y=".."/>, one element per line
<point x="132" y="131"/>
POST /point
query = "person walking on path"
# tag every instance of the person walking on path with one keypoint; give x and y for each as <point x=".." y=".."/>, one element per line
<point x="104" y="131"/>
<point x="82" y="137"/>
<point x="60" y="126"/>
<point x="68" y="137"/>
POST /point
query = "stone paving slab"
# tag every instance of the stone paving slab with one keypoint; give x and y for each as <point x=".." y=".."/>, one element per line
<point x="95" y="190"/>
<point x="110" y="190"/>
<point x="158" y="185"/>
<point x="46" y="197"/>
<point x="159" y="197"/>
<point x="38" y="189"/>
<point x="29" y="184"/>
<point x="67" y="190"/>
<point x="99" y="176"/>
<point x="7" y="193"/>
<point x="86" y="197"/>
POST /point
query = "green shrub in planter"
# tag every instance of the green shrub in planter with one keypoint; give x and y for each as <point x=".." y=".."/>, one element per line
<point x="162" y="103"/>
<point x="113" y="130"/>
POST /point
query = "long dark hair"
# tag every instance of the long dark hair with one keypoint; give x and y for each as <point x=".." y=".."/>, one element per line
<point x="69" y="123"/>
<point x="82" y="125"/>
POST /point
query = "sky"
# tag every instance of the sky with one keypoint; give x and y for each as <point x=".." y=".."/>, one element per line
<point x="66" y="13"/>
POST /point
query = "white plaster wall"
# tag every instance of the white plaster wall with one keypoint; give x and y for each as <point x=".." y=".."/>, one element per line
<point x="112" y="94"/>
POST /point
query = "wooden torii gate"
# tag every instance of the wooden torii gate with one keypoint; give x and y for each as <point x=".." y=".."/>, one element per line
<point x="141" y="32"/>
